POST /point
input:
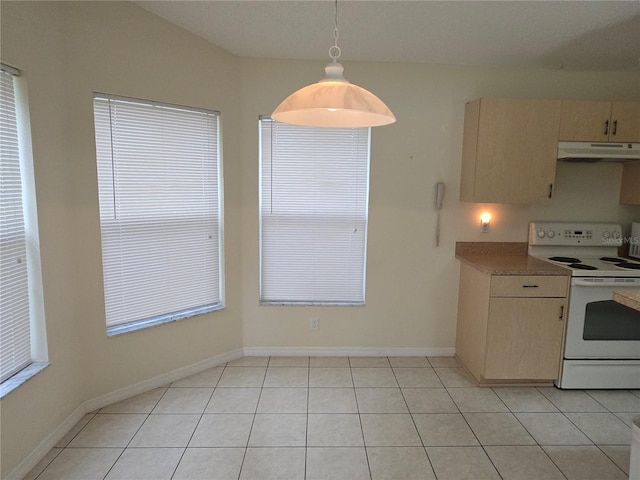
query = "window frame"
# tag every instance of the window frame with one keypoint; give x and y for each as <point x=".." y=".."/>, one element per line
<point x="217" y="219"/>
<point x="38" y="351"/>
<point x="361" y="300"/>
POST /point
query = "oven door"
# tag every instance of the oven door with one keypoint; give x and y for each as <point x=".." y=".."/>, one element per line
<point x="597" y="326"/>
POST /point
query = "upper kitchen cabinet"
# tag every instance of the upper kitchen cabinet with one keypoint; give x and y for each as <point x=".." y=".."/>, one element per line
<point x="587" y="121"/>
<point x="509" y="150"/>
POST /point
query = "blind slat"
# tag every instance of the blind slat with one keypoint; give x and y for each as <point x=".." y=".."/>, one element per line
<point x="160" y="202"/>
<point x="314" y="193"/>
<point x="15" y="330"/>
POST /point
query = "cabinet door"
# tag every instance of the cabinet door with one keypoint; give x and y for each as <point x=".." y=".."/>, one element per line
<point x="524" y="338"/>
<point x="516" y="150"/>
<point x="585" y="121"/>
<point x="625" y="122"/>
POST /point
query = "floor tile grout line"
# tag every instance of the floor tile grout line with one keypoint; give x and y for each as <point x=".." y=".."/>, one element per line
<point x="413" y="420"/>
<point x="593" y="443"/>
<point x="598" y="402"/>
<point x="49" y="463"/>
<point x="306" y="433"/>
<point x="364" y="442"/>
<point x="495" y="467"/>
<point x="135" y="433"/>
<point x="199" y="420"/>
<point x="564" y="413"/>
<point x="541" y="447"/>
<point x="246" y="448"/>
<point x="611" y="459"/>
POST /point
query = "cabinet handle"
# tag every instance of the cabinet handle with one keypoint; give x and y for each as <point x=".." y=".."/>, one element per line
<point x="561" y="312"/>
<point x="550" y="190"/>
<point x="615" y="127"/>
<point x="530" y="286"/>
<point x="606" y="127"/>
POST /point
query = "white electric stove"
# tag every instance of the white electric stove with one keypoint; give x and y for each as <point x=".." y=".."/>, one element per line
<point x="602" y="341"/>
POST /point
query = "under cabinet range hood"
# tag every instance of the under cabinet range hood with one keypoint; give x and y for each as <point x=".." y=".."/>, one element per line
<point x="598" y="152"/>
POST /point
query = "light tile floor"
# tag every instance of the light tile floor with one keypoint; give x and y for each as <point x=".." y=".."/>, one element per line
<point x="331" y="418"/>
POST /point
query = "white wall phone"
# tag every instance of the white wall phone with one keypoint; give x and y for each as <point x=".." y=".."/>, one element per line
<point x="438" y="197"/>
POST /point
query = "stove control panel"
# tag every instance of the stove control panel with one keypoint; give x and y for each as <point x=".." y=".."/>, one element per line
<point x="573" y="234"/>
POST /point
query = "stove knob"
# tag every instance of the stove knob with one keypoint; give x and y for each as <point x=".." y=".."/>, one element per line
<point x="551" y="234"/>
<point x="616" y="235"/>
<point x="541" y="234"/>
<point x="606" y="234"/>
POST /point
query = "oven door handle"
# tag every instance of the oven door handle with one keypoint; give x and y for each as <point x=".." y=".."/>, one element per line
<point x="605" y="283"/>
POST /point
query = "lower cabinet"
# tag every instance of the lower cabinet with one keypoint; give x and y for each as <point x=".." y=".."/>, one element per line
<point x="510" y="327"/>
<point x="524" y="338"/>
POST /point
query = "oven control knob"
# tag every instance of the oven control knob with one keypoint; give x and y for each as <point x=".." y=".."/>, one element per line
<point x="606" y="234"/>
<point x="541" y="234"/>
<point x="551" y="234"/>
<point x="616" y="235"/>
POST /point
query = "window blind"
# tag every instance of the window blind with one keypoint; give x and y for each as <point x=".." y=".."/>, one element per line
<point x="15" y="330"/>
<point x="314" y="190"/>
<point x="159" y="182"/>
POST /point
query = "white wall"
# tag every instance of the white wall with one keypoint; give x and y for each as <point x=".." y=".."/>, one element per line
<point x="68" y="50"/>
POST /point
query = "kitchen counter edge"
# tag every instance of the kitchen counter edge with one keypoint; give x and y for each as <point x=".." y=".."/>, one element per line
<point x="505" y="259"/>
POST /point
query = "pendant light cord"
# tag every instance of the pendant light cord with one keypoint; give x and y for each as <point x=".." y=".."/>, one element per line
<point x="334" y="50"/>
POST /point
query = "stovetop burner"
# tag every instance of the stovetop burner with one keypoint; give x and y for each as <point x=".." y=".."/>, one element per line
<point x="582" y="266"/>
<point x="587" y="249"/>
<point x="629" y="265"/>
<point x="613" y="259"/>
<point x="565" y="259"/>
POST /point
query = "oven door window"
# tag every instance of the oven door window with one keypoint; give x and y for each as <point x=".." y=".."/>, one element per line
<point x="609" y="320"/>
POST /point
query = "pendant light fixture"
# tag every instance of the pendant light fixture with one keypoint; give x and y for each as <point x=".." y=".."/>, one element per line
<point x="333" y="101"/>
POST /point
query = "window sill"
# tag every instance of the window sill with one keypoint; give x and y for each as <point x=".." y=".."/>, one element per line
<point x="153" y="322"/>
<point x="10" y="384"/>
<point x="267" y="303"/>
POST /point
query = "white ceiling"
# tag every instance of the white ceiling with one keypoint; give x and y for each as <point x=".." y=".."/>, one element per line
<point x="575" y="35"/>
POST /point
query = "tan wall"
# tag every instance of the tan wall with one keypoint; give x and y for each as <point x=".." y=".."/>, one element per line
<point x="412" y="284"/>
<point x="68" y="50"/>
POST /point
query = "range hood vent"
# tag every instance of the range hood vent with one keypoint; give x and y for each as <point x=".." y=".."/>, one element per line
<point x="588" y="152"/>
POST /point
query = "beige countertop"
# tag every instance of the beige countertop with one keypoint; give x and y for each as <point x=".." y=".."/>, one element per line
<point x="512" y="265"/>
<point x="505" y="258"/>
<point x="630" y="298"/>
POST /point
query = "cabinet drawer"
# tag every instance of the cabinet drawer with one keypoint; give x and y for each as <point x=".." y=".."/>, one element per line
<point x="528" y="286"/>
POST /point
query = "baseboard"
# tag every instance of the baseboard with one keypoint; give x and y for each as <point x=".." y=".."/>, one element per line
<point x="160" y="380"/>
<point x="50" y="441"/>
<point x="350" y="351"/>
<point x="31" y="460"/>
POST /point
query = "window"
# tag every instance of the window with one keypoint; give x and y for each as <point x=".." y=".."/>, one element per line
<point x="22" y="334"/>
<point x="314" y="190"/>
<point x="160" y="195"/>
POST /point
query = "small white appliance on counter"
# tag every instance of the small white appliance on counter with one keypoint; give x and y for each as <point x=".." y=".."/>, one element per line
<point x="602" y="341"/>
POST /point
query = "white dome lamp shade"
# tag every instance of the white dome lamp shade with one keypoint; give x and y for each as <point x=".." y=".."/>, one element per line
<point x="333" y="101"/>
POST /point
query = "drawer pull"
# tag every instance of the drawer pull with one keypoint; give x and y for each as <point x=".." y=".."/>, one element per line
<point x="530" y="286"/>
<point x="561" y="312"/>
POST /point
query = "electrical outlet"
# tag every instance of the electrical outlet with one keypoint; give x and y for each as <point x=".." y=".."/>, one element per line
<point x="314" y="323"/>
